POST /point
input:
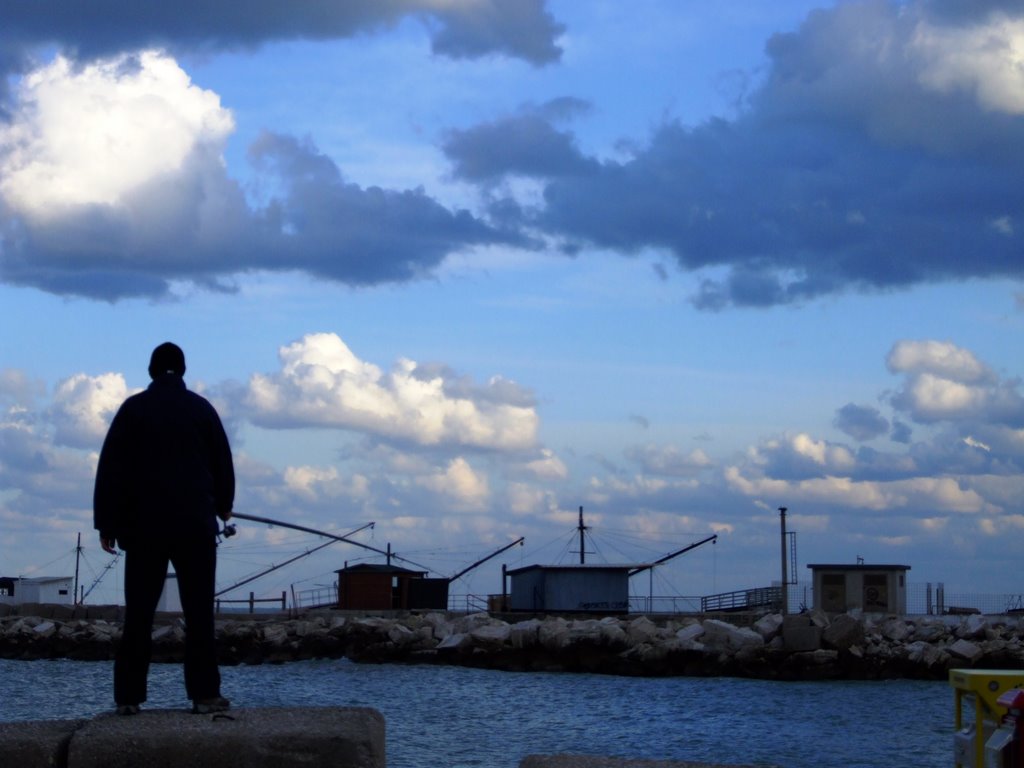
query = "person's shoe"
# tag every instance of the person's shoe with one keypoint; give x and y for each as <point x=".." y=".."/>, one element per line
<point x="127" y="709"/>
<point x="210" y="706"/>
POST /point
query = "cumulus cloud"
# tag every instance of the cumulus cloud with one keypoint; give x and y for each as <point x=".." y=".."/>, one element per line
<point x="18" y="390"/>
<point x="861" y="422"/>
<point x="883" y="143"/>
<point x="459" y="482"/>
<point x="800" y="455"/>
<point x="93" y="136"/>
<point x="83" y="407"/>
<point x="520" y="28"/>
<point x="113" y="184"/>
<point x="323" y="384"/>
<point x="668" y="460"/>
<point x="946" y="383"/>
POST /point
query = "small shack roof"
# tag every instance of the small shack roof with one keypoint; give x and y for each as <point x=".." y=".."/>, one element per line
<point x="393" y="570"/>
<point x="857" y="567"/>
<point x="36" y="579"/>
<point x="579" y="567"/>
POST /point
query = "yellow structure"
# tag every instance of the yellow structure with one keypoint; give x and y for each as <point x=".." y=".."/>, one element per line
<point x="977" y="691"/>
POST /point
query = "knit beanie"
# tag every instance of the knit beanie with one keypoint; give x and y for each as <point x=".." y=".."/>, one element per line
<point x="167" y="358"/>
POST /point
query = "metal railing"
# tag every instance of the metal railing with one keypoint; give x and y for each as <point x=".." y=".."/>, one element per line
<point x="253" y="600"/>
<point x="317" y="597"/>
<point x="665" y="604"/>
<point x="743" y="600"/>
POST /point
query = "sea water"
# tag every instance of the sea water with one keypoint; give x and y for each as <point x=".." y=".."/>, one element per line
<point x="455" y="716"/>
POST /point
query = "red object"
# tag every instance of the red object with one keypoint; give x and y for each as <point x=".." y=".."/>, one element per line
<point x="1012" y="699"/>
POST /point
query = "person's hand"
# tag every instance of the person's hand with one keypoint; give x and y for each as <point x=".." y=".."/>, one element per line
<point x="108" y="545"/>
<point x="225" y="516"/>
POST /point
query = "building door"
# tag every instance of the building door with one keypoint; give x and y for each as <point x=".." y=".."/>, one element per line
<point x="876" y="592"/>
<point x="833" y="588"/>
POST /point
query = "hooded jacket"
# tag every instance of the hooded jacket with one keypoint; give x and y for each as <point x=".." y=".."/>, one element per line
<point x="165" y="469"/>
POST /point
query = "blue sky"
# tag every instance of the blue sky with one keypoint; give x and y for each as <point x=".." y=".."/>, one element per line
<point x="459" y="268"/>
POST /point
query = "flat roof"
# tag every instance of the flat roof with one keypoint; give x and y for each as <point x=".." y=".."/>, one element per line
<point x="580" y="567"/>
<point x="858" y="567"/>
<point x="378" y="568"/>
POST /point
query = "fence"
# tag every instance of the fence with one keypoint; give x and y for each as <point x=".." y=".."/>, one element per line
<point x="928" y="598"/>
<point x="253" y="600"/>
<point x="317" y="597"/>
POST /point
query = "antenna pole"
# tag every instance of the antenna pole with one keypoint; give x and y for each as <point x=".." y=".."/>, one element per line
<point x="78" y="554"/>
<point x="582" y="528"/>
<point x="785" y="578"/>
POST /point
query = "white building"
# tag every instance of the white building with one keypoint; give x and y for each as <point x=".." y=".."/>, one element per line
<point x="17" y="590"/>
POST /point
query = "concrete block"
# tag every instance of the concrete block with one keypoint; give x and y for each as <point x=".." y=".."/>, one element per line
<point x="590" y="761"/>
<point x="38" y="744"/>
<point x="254" y="738"/>
<point x="799" y="638"/>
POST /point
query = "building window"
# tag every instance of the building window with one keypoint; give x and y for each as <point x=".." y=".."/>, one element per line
<point x="62" y="592"/>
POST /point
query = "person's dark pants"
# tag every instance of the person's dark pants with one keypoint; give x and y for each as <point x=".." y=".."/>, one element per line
<point x="195" y="563"/>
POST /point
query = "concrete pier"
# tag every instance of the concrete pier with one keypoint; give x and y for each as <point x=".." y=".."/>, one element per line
<point x="591" y="761"/>
<point x="339" y="737"/>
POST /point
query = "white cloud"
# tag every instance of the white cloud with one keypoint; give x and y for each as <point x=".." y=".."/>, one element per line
<point x="941" y="358"/>
<point x="898" y="496"/>
<point x="669" y="460"/>
<point x="460" y="482"/>
<point x="985" y="59"/>
<point x="315" y="483"/>
<point x="323" y="384"/>
<point x="947" y="383"/>
<point x="94" y="135"/>
<point x="83" y="407"/>
<point x="548" y="466"/>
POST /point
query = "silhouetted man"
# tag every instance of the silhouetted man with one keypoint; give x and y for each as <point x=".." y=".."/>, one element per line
<point x="165" y="475"/>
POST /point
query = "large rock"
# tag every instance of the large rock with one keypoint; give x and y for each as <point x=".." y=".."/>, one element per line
<point x="843" y="632"/>
<point x="492" y="634"/>
<point x="769" y="626"/>
<point x="524" y="634"/>
<point x="722" y="636"/>
<point x="966" y="650"/>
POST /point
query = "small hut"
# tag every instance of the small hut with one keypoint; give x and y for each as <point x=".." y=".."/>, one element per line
<point x="571" y="588"/>
<point x="839" y="588"/>
<point x="378" y="587"/>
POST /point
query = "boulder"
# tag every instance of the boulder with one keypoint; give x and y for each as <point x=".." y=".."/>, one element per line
<point x="930" y="630"/>
<point x="965" y="649"/>
<point x="524" y="634"/>
<point x="924" y="653"/>
<point x="690" y="633"/>
<point x="455" y="642"/>
<point x="972" y="627"/>
<point x="721" y="635"/>
<point x="769" y="626"/>
<point x="492" y="634"/>
<point x="553" y="633"/>
<point x="894" y="629"/>
<point x="843" y="632"/>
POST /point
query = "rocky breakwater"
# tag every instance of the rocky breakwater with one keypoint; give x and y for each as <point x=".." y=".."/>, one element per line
<point x="807" y="646"/>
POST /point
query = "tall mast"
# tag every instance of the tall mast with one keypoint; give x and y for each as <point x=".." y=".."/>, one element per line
<point x="78" y="555"/>
<point x="582" y="529"/>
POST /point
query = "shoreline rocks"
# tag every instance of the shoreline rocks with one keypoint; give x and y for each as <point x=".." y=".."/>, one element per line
<point x="812" y="646"/>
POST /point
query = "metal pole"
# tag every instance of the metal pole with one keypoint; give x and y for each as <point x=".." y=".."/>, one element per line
<point x="582" y="529"/>
<point x="785" y="579"/>
<point x="78" y="554"/>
